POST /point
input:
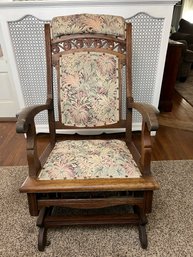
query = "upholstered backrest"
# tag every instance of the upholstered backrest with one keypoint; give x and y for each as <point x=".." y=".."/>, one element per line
<point x="89" y="53"/>
<point x="89" y="89"/>
<point x="88" y="23"/>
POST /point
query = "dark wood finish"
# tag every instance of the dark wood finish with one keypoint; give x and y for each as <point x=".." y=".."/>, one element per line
<point x="143" y="236"/>
<point x="58" y="221"/>
<point x="148" y="200"/>
<point x="37" y="189"/>
<point x="143" y="183"/>
<point x="89" y="203"/>
<point x="170" y="75"/>
<point x="33" y="204"/>
<point x="47" y="219"/>
<point x="136" y="192"/>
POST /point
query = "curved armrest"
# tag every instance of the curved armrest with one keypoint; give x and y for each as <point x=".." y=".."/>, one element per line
<point x="149" y="114"/>
<point x="26" y="116"/>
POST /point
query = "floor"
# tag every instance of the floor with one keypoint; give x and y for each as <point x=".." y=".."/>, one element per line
<point x="173" y="141"/>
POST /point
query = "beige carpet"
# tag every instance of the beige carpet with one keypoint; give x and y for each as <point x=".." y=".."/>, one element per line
<point x="185" y="89"/>
<point x="170" y="228"/>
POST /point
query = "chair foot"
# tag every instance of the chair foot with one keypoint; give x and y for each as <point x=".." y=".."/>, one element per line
<point x="42" y="239"/>
<point x="142" y="226"/>
<point x="143" y="236"/>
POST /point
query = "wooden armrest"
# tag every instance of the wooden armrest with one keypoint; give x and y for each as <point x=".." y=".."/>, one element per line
<point x="149" y="114"/>
<point x="26" y="116"/>
<point x="150" y="123"/>
<point x="26" y="124"/>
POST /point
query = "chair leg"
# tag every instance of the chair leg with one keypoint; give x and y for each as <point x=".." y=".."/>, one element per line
<point x="42" y="237"/>
<point x="142" y="226"/>
<point x="148" y="195"/>
<point x="46" y="212"/>
<point x="32" y="203"/>
<point x="143" y="236"/>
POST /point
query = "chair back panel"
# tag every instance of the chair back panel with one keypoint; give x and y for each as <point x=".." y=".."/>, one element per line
<point x="89" y="89"/>
<point x="89" y="59"/>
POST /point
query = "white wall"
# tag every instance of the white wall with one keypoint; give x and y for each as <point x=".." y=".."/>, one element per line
<point x="187" y="12"/>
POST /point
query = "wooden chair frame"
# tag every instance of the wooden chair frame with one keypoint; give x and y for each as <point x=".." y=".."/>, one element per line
<point x="43" y="196"/>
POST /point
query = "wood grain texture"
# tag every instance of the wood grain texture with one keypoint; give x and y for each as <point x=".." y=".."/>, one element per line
<point x="89" y="185"/>
<point x="174" y="138"/>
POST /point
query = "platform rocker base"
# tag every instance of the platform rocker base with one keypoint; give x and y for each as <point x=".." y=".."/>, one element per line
<point x="47" y="220"/>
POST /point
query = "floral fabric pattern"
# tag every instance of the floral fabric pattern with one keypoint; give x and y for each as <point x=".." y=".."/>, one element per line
<point x="89" y="159"/>
<point x="88" y="23"/>
<point x="89" y="89"/>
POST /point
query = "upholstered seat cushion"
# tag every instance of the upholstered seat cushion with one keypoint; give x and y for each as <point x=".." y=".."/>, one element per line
<point x="89" y="159"/>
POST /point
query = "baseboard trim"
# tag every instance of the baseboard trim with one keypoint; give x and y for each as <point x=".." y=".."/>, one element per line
<point x="8" y="119"/>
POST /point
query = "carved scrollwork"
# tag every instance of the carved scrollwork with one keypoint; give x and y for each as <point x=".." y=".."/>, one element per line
<point x="88" y="43"/>
<point x="121" y="48"/>
<point x="78" y="43"/>
<point x="111" y="45"/>
<point x="67" y="45"/>
<point x="98" y="43"/>
<point x="55" y="49"/>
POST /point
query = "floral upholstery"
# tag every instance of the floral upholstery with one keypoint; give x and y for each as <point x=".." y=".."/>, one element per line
<point x="88" y="23"/>
<point x="89" y="89"/>
<point x="89" y="159"/>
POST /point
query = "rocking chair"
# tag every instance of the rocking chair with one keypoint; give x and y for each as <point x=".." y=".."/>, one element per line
<point x="89" y="53"/>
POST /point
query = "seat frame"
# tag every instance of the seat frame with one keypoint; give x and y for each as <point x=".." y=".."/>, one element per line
<point x="44" y="197"/>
